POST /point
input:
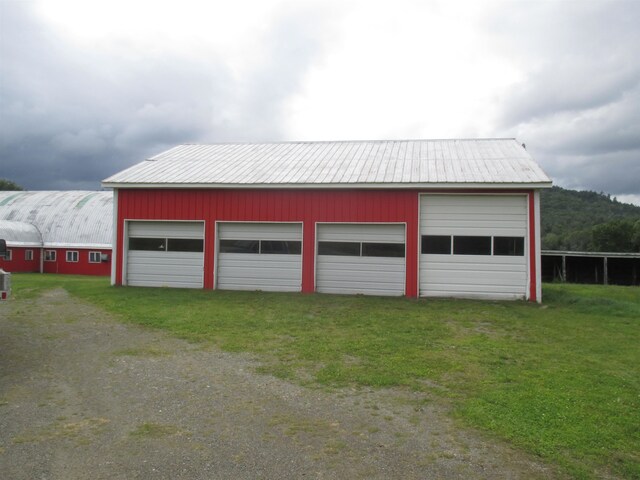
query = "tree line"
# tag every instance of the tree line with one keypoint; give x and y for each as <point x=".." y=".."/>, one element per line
<point x="588" y="222"/>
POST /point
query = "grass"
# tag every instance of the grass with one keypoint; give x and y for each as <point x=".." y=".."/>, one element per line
<point x="560" y="380"/>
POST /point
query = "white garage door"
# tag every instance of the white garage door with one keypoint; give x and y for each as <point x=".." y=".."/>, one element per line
<point x="361" y="258"/>
<point x="260" y="256"/>
<point x="165" y="254"/>
<point x="473" y="246"/>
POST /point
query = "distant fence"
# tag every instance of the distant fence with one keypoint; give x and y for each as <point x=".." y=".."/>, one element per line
<point x="607" y="268"/>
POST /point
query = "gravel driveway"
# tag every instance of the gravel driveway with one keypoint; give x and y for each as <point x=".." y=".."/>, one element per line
<point x="85" y="397"/>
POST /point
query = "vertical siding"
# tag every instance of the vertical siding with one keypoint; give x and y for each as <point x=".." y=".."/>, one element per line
<point x="18" y="263"/>
<point x="533" y="249"/>
<point x="307" y="206"/>
<point x="82" y="266"/>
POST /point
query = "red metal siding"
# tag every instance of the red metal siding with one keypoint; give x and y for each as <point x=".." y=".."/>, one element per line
<point x="82" y="266"/>
<point x="307" y="206"/>
<point x="532" y="249"/>
<point x="18" y="263"/>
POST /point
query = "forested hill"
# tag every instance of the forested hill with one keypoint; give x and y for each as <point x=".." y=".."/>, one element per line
<point x="588" y="221"/>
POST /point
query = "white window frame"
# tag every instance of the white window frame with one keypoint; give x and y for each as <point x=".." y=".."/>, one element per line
<point x="50" y="255"/>
<point x="28" y="255"/>
<point x="95" y="255"/>
<point x="9" y="255"/>
<point x="71" y="254"/>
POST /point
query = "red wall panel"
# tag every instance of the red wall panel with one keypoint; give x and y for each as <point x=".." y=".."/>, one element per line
<point x="307" y="206"/>
<point x="532" y="249"/>
<point x="82" y="266"/>
<point x="18" y="263"/>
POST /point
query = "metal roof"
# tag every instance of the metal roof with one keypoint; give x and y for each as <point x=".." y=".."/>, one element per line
<point x="362" y="164"/>
<point x="20" y="234"/>
<point x="63" y="219"/>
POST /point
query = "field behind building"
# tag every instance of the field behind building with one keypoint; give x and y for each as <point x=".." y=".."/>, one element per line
<point x="559" y="380"/>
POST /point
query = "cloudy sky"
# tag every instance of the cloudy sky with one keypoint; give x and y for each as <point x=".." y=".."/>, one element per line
<point x="89" y="87"/>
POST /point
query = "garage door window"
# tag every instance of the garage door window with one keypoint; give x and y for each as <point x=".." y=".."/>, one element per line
<point x="511" y="246"/>
<point x="184" y="245"/>
<point x="166" y="245"/>
<point x="473" y="245"/>
<point x="148" y="244"/>
<point x="239" y="246"/>
<point x="266" y="247"/>
<point x="346" y="249"/>
<point x="282" y="247"/>
<point x="463" y="245"/>
<point x="383" y="250"/>
<point x="438" y="244"/>
<point x="361" y="249"/>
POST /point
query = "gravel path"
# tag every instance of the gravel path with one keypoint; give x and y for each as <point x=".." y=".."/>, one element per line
<point x="83" y="396"/>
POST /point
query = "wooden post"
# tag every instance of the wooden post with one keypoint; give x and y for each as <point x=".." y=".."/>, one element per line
<point x="605" y="272"/>
<point x="564" y="268"/>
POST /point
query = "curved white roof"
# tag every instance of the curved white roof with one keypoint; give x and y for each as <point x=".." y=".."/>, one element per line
<point x="467" y="163"/>
<point x="81" y="219"/>
<point x="20" y="234"/>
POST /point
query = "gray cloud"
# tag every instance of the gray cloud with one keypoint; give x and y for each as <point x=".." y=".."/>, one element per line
<point x="75" y="115"/>
<point x="578" y="107"/>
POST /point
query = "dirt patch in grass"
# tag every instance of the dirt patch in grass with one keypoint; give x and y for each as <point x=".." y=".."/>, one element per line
<point x="84" y="396"/>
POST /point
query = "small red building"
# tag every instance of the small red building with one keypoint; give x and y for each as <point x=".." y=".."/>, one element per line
<point x="415" y="218"/>
<point x="57" y="232"/>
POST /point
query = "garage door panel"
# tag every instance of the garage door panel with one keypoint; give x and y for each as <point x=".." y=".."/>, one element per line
<point x="482" y="276"/>
<point x="470" y="277"/>
<point x="259" y="268"/>
<point x="359" y="273"/>
<point x="486" y="262"/>
<point x="165" y="268"/>
<point x="345" y="232"/>
<point x="173" y="259"/>
<point x="260" y="271"/>
<point x="462" y="227"/>
<point x="154" y="282"/>
<point x="475" y="212"/>
<point x="382" y="290"/>
<point x="176" y="269"/>
<point x="482" y="211"/>
<point x="476" y="202"/>
<point x="357" y="278"/>
<point x="348" y="274"/>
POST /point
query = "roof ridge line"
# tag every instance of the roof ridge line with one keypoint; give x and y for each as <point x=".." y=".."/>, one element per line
<point x="275" y="142"/>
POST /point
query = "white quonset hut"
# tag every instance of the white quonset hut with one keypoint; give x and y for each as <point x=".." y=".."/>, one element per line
<point x="414" y="217"/>
<point x="57" y="232"/>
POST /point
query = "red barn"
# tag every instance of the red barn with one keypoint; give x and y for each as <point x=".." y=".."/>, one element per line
<point x="57" y="232"/>
<point x="416" y="218"/>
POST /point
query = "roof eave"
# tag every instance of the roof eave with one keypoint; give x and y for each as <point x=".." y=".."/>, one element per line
<point x="70" y="245"/>
<point x="316" y="186"/>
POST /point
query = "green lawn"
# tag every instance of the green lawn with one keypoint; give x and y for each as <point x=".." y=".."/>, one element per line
<point x="561" y="380"/>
